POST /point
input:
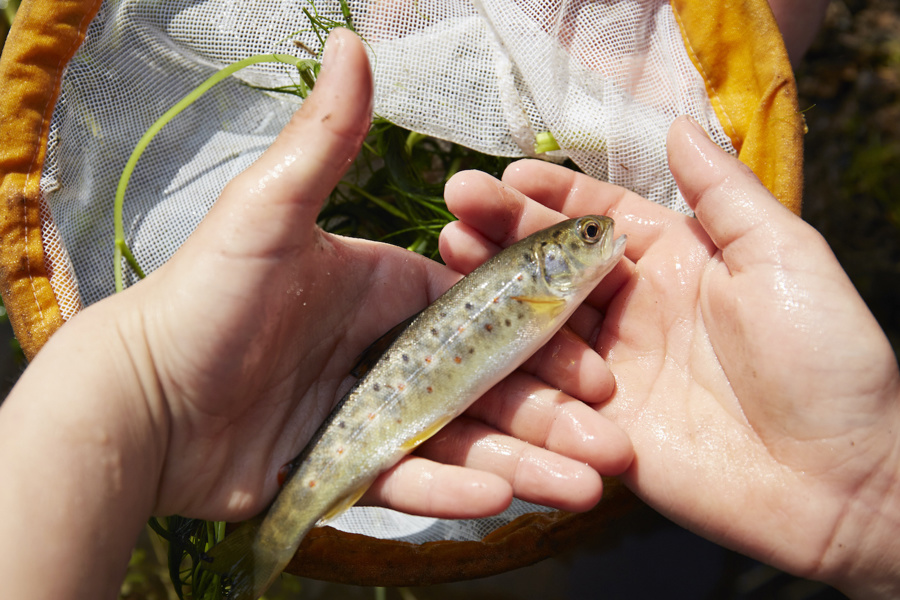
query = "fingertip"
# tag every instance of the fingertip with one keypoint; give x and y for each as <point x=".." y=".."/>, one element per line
<point x="694" y="158"/>
<point x="423" y="487"/>
<point x="724" y="193"/>
<point x="583" y="434"/>
<point x="484" y="204"/>
<point x="343" y="90"/>
<point x="315" y="148"/>
<point x="578" y="490"/>
<point x="568" y="363"/>
<point x="463" y="248"/>
<point x="618" y="454"/>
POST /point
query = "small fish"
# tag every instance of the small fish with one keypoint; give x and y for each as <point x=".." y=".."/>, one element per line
<point x="469" y="339"/>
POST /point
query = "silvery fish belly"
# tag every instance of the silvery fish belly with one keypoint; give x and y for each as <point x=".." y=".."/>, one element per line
<point x="470" y="338"/>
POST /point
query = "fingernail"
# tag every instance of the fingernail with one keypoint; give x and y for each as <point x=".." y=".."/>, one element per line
<point x="334" y="45"/>
<point x="697" y="126"/>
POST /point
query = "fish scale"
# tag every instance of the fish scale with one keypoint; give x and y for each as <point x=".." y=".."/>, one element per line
<point x="469" y="339"/>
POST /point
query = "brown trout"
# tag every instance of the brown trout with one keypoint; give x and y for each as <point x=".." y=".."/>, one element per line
<point x="469" y="339"/>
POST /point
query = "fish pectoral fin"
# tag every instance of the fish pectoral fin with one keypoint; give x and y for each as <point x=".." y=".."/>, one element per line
<point x="376" y="349"/>
<point x="550" y="304"/>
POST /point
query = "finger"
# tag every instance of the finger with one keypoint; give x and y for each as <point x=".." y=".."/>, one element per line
<point x="575" y="194"/>
<point x="738" y="213"/>
<point x="525" y="408"/>
<point x="279" y="196"/>
<point x="500" y="213"/>
<point x="567" y="363"/>
<point x="537" y="475"/>
<point x="423" y="487"/>
<point x="463" y="248"/>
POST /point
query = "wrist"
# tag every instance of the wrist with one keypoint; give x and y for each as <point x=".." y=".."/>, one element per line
<point x="82" y="444"/>
<point x="863" y="558"/>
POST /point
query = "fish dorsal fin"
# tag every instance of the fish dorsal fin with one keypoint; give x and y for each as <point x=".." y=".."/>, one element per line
<point x="370" y="355"/>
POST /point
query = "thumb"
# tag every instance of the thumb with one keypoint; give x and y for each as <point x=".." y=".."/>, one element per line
<point x="728" y="199"/>
<point x="272" y="206"/>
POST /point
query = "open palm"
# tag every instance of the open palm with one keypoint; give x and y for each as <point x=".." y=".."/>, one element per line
<point x="759" y="392"/>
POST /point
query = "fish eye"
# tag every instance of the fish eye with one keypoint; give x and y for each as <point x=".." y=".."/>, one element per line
<point x="590" y="230"/>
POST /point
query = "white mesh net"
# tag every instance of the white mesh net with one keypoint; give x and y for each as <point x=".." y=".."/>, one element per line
<point x="604" y="78"/>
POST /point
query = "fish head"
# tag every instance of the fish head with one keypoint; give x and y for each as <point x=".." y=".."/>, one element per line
<point x="577" y="253"/>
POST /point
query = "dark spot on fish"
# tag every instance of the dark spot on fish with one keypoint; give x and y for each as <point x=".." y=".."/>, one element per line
<point x="376" y="387"/>
<point x="457" y="359"/>
<point x="469" y="306"/>
<point x="574" y="245"/>
<point x="443" y="314"/>
<point x="526" y="256"/>
<point x="520" y="315"/>
<point x="399" y="421"/>
<point x="342" y="425"/>
<point x="434" y="331"/>
<point x="543" y="244"/>
<point x="471" y="350"/>
<point x="507" y="322"/>
<point x="488" y="326"/>
<point x="406" y="358"/>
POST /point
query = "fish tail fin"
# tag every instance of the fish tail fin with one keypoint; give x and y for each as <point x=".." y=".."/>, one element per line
<point x="246" y="566"/>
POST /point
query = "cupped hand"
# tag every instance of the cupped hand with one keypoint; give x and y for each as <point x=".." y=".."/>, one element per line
<point x="245" y="339"/>
<point x="758" y="391"/>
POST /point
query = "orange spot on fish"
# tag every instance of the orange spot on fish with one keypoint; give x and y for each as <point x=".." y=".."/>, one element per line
<point x="462" y="328"/>
<point x="497" y="299"/>
<point x="312" y="483"/>
<point x="340" y="450"/>
<point x="371" y="416"/>
<point x="284" y="472"/>
<point x="457" y="359"/>
<point x="429" y="389"/>
<point x="401" y="386"/>
<point x="489" y="327"/>
<point x="428" y="359"/>
<point x="520" y="278"/>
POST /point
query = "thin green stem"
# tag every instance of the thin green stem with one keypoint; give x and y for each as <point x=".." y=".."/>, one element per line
<point x="121" y="248"/>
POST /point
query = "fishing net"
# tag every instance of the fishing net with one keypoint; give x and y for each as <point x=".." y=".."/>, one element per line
<point x="596" y="83"/>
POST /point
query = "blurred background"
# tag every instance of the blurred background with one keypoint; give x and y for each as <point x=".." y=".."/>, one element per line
<point x="849" y="88"/>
